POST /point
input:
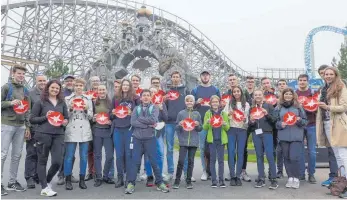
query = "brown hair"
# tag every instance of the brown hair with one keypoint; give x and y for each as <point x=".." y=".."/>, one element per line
<point x="282" y="80"/>
<point x="130" y="94"/>
<point x="155" y="78"/>
<point x="322" y="67"/>
<point x="250" y="77"/>
<point x="335" y="88"/>
<point x="80" y="80"/>
<point x="295" y="97"/>
<point x="264" y="78"/>
<point x="18" y="67"/>
<point x="45" y="93"/>
<point x="108" y="101"/>
<point x="303" y="76"/>
<point x="175" y="72"/>
<point x="135" y="75"/>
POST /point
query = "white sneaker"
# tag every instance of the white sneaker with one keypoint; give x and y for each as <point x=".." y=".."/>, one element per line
<point x="245" y="177"/>
<point x="143" y="177"/>
<point x="138" y="178"/>
<point x="49" y="185"/>
<point x="296" y="183"/>
<point x="290" y="182"/>
<point x="48" y="192"/>
<point x="192" y="179"/>
<point x="204" y="176"/>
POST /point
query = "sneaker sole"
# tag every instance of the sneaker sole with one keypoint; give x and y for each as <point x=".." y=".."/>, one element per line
<point x="162" y="190"/>
<point x="289" y="186"/>
<point x="176" y="188"/>
<point x="213" y="186"/>
<point x="259" y="186"/>
<point x="273" y="188"/>
<point x="11" y="189"/>
<point x="45" y="195"/>
<point x="223" y="186"/>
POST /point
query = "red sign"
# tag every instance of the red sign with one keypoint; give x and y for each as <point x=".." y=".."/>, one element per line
<point x="102" y="118"/>
<point x="289" y="118"/>
<point x="92" y="94"/>
<point x="271" y="99"/>
<point x="205" y="102"/>
<point x="78" y="104"/>
<point x="55" y="118"/>
<point x="188" y="124"/>
<point x="157" y="99"/>
<point x="121" y="111"/>
<point x="173" y="95"/>
<point x="302" y="99"/>
<point x="21" y="108"/>
<point x="311" y="104"/>
<point x="315" y="95"/>
<point x="138" y="91"/>
<point x="161" y="92"/>
<point x="257" y="113"/>
<point x="226" y="98"/>
<point x="238" y="115"/>
<point x="216" y="121"/>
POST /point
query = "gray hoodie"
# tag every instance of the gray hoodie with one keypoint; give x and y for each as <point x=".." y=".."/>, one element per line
<point x="188" y="138"/>
<point x="142" y="121"/>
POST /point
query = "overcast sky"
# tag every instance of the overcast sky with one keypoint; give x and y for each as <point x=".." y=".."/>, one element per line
<point x="263" y="33"/>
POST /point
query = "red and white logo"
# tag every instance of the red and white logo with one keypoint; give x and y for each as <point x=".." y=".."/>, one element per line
<point x="226" y="98"/>
<point x="271" y="99"/>
<point x="289" y="118"/>
<point x="257" y="113"/>
<point x="238" y="116"/>
<point x="78" y="104"/>
<point x="55" y="118"/>
<point x="216" y="121"/>
<point x="302" y="99"/>
<point x="161" y="92"/>
<point x="138" y="91"/>
<point x="188" y="124"/>
<point x="21" y="108"/>
<point x="121" y="111"/>
<point x="92" y="94"/>
<point x="102" y="118"/>
<point x="311" y="104"/>
<point x="205" y="102"/>
<point x="157" y="99"/>
<point x="315" y="96"/>
<point x="173" y="95"/>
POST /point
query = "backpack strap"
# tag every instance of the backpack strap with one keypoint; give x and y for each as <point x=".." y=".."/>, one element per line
<point x="9" y="92"/>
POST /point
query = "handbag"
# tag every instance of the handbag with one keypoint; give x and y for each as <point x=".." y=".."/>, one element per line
<point x="338" y="184"/>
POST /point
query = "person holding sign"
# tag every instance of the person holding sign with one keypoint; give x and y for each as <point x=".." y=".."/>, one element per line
<point x="261" y="125"/>
<point x="291" y="121"/>
<point x="50" y="115"/>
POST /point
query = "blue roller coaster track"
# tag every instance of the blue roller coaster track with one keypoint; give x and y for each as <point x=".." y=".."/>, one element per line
<point x="308" y="43"/>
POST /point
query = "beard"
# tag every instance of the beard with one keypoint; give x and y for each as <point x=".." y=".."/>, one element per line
<point x="205" y="82"/>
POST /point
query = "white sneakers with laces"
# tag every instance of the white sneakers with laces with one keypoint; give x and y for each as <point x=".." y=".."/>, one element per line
<point x="204" y="176"/>
<point x="48" y="192"/>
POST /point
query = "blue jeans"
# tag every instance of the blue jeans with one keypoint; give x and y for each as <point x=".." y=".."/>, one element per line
<point x="236" y="136"/>
<point x="170" y="140"/>
<point x="310" y="134"/>
<point x="202" y="139"/>
<point x="264" y="143"/>
<point x="160" y="157"/>
<point x="69" y="156"/>
<point x="121" y="140"/>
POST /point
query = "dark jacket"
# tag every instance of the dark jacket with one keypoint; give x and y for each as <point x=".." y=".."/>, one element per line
<point x="34" y="96"/>
<point x="67" y="92"/>
<point x="204" y="92"/>
<point x="163" y="114"/>
<point x="175" y="106"/>
<point x="142" y="121"/>
<point x="311" y="116"/>
<point x="38" y="116"/>
<point x="188" y="138"/>
<point x="267" y="123"/>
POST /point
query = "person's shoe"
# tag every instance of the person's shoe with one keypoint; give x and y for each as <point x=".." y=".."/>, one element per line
<point x="15" y="187"/>
<point x="328" y="182"/>
<point x="193" y="180"/>
<point x="138" y="177"/>
<point x="189" y="186"/>
<point x="119" y="183"/>
<point x="312" y="179"/>
<point x="204" y="176"/>
<point x="81" y="183"/>
<point x="238" y="181"/>
<point x="296" y="183"/>
<point x="260" y="183"/>
<point x="108" y="180"/>
<point x="150" y="181"/>
<point x="214" y="184"/>
<point x="48" y="192"/>
<point x="222" y="184"/>
<point x="30" y="183"/>
<point x="227" y="179"/>
<point x="98" y="182"/>
<point x="233" y="181"/>
<point x="68" y="184"/>
<point x="168" y="177"/>
<point x="289" y="183"/>
<point x="302" y="178"/>
<point x="88" y="178"/>
<point x="143" y="177"/>
<point x="273" y="184"/>
<point x="245" y="177"/>
<point x="343" y="195"/>
<point x="130" y="188"/>
<point x="176" y="184"/>
<point x="61" y="180"/>
<point x="162" y="187"/>
<point x="3" y="190"/>
<point x="279" y="175"/>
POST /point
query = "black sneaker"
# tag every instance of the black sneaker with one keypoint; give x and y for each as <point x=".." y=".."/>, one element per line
<point x="30" y="183"/>
<point x="15" y="187"/>
<point x="176" y="184"/>
<point x="302" y="178"/>
<point x="150" y="181"/>
<point x="222" y="184"/>
<point x="312" y="179"/>
<point x="3" y="191"/>
<point x="88" y="177"/>
<point x="108" y="180"/>
<point x="260" y="183"/>
<point x="189" y="186"/>
<point x="233" y="181"/>
<point x="238" y="182"/>
<point x="214" y="184"/>
<point x="273" y="184"/>
<point x="279" y="174"/>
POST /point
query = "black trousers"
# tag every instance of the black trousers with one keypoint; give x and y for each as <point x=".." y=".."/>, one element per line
<point x="291" y="153"/>
<point x="181" y="157"/>
<point x="31" y="159"/>
<point x="45" y="144"/>
<point x="207" y="156"/>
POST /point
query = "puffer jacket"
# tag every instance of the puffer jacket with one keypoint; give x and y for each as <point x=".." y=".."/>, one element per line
<point x="188" y="138"/>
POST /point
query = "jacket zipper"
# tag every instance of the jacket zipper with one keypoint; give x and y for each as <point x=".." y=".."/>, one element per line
<point x="189" y="131"/>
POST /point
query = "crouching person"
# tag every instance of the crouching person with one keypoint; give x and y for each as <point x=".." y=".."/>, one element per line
<point x="143" y="141"/>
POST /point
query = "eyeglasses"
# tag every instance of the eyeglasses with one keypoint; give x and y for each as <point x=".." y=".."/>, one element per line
<point x="155" y="82"/>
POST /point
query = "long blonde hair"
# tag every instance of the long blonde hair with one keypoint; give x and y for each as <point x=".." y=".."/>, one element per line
<point x="335" y="88"/>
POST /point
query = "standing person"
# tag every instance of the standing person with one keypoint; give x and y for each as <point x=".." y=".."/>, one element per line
<point x="281" y="85"/>
<point x="188" y="141"/>
<point x="262" y="138"/>
<point x="135" y="81"/>
<point x="201" y="92"/>
<point x="143" y="141"/>
<point x="325" y="118"/>
<point x="49" y="138"/>
<point x="31" y="157"/>
<point x="309" y="133"/>
<point x="14" y="127"/>
<point x="69" y="81"/>
<point x="77" y="131"/>
<point x="102" y="137"/>
<point x="173" y="107"/>
<point x="217" y="138"/>
<point x="121" y="128"/>
<point x="266" y="86"/>
<point x="155" y="83"/>
<point x="291" y="136"/>
<point x="237" y="134"/>
<point x="116" y="86"/>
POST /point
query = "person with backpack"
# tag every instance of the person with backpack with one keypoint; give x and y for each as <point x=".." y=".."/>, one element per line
<point x="202" y="93"/>
<point x="121" y="128"/>
<point x="261" y="129"/>
<point x="14" y="127"/>
<point x="143" y="141"/>
<point x="217" y="138"/>
<point x="188" y="141"/>
<point x="291" y="134"/>
<point x="49" y="138"/>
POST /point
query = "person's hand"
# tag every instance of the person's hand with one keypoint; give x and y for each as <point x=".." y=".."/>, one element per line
<point x="199" y="100"/>
<point x="27" y="134"/>
<point x="298" y="118"/>
<point x="85" y="106"/>
<point x="283" y="124"/>
<point x="265" y="111"/>
<point x="160" y="106"/>
<point x="94" y="117"/>
<point x="129" y="111"/>
<point x="153" y="126"/>
<point x="323" y="105"/>
<point x="109" y="122"/>
<point x="231" y="112"/>
<point x="252" y="118"/>
<point x="15" y="102"/>
<point x="224" y="123"/>
<point x="180" y="123"/>
<point x="49" y="112"/>
<point x="72" y="104"/>
<point x="197" y="123"/>
<point x="65" y="122"/>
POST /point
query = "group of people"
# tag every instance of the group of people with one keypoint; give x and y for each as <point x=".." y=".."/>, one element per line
<point x="130" y="124"/>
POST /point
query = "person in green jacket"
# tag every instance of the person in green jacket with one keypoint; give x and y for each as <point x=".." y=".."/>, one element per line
<point x="216" y="122"/>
